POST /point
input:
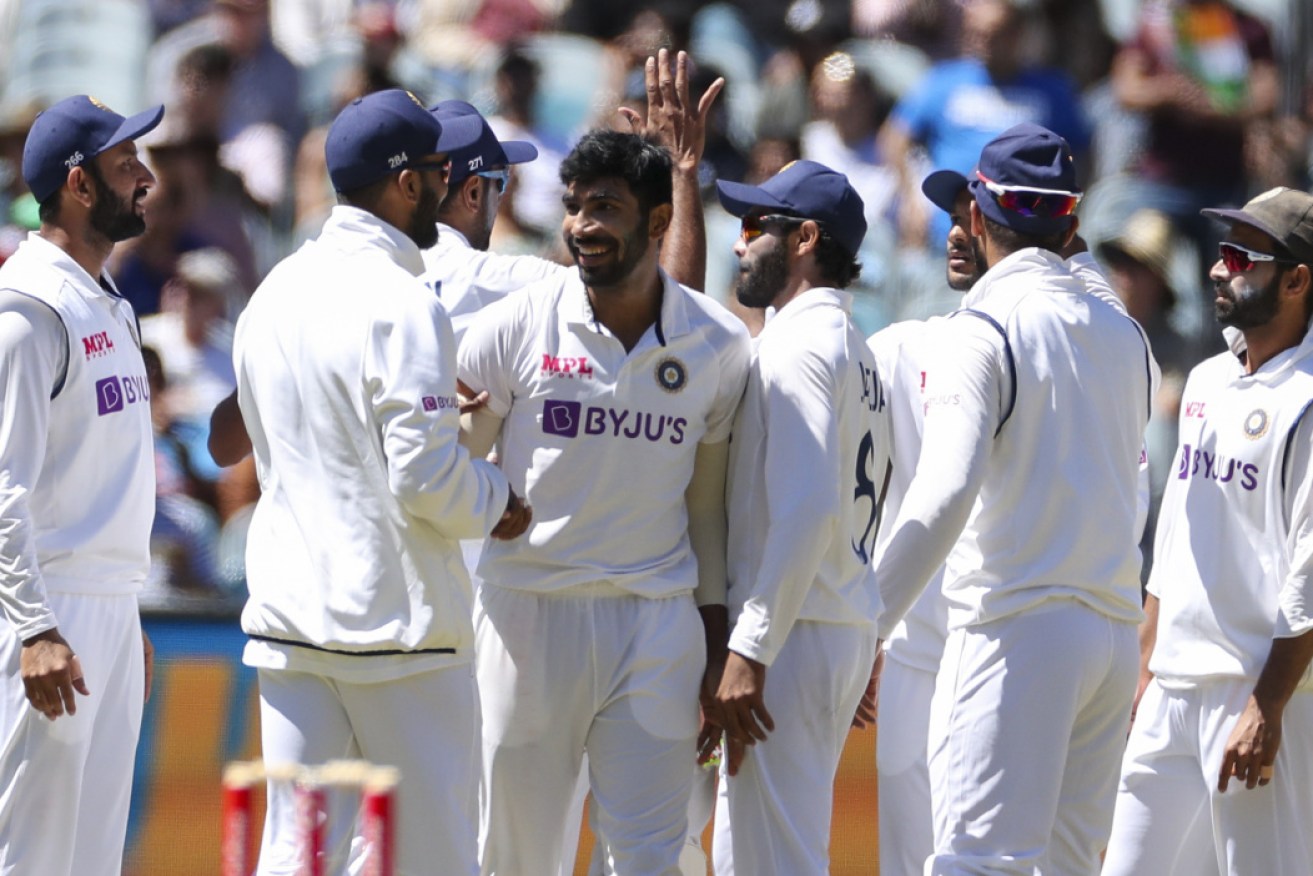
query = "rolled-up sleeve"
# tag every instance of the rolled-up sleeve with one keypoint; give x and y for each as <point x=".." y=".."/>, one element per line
<point x="33" y="348"/>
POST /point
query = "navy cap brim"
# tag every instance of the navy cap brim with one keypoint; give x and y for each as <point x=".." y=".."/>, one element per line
<point x="135" y="126"/>
<point x="519" y="151"/>
<point x="740" y="199"/>
<point x="1240" y="216"/>
<point x="942" y="188"/>
<point x="459" y="132"/>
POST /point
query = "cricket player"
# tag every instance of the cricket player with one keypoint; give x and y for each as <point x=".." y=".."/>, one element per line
<point x="359" y="614"/>
<point x="807" y="468"/>
<point x="612" y="394"/>
<point x="1218" y="770"/>
<point x="912" y="654"/>
<point x="77" y="497"/>
<point x="1035" y="409"/>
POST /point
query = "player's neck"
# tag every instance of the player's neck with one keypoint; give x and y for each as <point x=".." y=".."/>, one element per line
<point x="89" y="249"/>
<point x="629" y="308"/>
<point x="1264" y="343"/>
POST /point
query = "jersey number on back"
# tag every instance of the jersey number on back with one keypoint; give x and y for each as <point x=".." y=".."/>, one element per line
<point x="865" y="490"/>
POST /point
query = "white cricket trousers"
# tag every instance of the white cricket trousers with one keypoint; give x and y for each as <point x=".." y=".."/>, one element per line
<point x="1172" y="821"/>
<point x="774" y="816"/>
<point x="1028" y="724"/>
<point x="426" y="725"/>
<point x="907" y="835"/>
<point x="65" y="784"/>
<point x="595" y="669"/>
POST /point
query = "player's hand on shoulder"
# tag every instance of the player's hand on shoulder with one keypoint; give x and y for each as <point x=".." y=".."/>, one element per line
<point x="51" y="674"/>
<point x="514" y="520"/>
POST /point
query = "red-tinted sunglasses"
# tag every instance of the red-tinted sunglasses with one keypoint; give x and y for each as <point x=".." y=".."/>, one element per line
<point x="1028" y="201"/>
<point x="755" y="226"/>
<point x="1239" y="259"/>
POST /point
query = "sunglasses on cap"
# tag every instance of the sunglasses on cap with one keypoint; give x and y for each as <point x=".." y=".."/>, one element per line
<point x="1239" y="259"/>
<point x="1028" y="201"/>
<point x="502" y="177"/>
<point x="443" y="166"/>
<point x="755" y="226"/>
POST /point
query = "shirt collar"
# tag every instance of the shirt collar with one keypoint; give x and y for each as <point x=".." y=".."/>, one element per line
<point x="350" y="229"/>
<point x="1031" y="260"/>
<point x="452" y="237"/>
<point x="672" y="322"/>
<point x="55" y="256"/>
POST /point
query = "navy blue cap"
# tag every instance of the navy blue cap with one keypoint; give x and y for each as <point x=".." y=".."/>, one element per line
<point x="1027" y="155"/>
<point x="487" y="152"/>
<point x="386" y="132"/>
<point x="942" y="188"/>
<point x="809" y="190"/>
<point x="73" y="131"/>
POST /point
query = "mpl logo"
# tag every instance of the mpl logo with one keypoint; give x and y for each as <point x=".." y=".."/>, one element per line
<point x="1195" y="410"/>
<point x="113" y="394"/>
<point x="566" y="366"/>
<point x="97" y="345"/>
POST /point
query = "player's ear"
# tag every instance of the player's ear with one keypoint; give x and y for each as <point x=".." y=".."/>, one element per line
<point x="472" y="192"/>
<point x="809" y="237"/>
<point x="658" y="220"/>
<point x="977" y="220"/>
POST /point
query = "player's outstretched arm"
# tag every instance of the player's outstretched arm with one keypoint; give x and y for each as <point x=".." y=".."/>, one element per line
<point x="679" y="123"/>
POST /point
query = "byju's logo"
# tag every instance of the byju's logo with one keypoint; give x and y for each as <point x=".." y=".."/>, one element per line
<point x="561" y="418"/>
<point x="567" y="419"/>
<point x="109" y="396"/>
<point x="1196" y="463"/>
<point x="114" y="393"/>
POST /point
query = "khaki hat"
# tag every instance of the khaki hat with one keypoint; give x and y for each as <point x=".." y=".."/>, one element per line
<point x="1148" y="239"/>
<point x="1285" y="215"/>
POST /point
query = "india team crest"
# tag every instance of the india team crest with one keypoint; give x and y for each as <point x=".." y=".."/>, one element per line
<point x="1256" y="424"/>
<point x="671" y="374"/>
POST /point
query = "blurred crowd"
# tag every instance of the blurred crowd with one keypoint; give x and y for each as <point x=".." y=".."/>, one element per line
<point x="1171" y="105"/>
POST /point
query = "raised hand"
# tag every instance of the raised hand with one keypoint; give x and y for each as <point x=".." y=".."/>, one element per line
<point x="673" y="119"/>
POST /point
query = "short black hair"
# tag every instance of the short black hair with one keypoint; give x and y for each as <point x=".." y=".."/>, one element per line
<point x="642" y="164"/>
<point x="1010" y="240"/>
<point x="838" y="267"/>
<point x="365" y="197"/>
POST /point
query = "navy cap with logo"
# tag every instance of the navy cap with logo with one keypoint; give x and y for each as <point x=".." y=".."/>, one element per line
<point x="72" y="132"/>
<point x="808" y="190"/>
<point x="386" y="132"/>
<point x="1029" y="160"/>
<point x="486" y="152"/>
<point x="1283" y="214"/>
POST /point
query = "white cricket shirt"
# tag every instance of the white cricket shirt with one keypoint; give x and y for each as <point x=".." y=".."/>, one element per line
<point x="346" y="379"/>
<point x="599" y="440"/>
<point x="1035" y="412"/>
<point x="77" y="464"/>
<point x="468" y="280"/>
<point x="1233" y="554"/>
<point x="807" y="466"/>
<point x="918" y="640"/>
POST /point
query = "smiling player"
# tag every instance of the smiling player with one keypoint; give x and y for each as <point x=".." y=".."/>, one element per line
<point x="613" y="393"/>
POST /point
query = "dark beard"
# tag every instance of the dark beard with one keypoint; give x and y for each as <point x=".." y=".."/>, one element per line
<point x="424" y="221"/>
<point x="1252" y="311"/>
<point x="112" y="216"/>
<point x="604" y="276"/>
<point x="758" y="286"/>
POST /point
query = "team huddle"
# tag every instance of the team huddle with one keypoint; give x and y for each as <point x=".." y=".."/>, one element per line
<point x="687" y="546"/>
